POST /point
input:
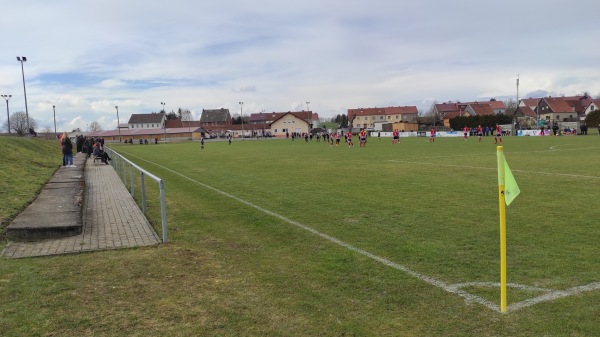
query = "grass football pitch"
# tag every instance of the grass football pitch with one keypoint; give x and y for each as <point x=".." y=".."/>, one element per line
<point x="288" y="238"/>
<point x="415" y="210"/>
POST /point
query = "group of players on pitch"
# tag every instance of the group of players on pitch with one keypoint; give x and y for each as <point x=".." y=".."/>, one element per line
<point x="497" y="134"/>
<point x="362" y="136"/>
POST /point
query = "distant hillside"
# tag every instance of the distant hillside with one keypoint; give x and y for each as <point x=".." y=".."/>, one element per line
<point x="25" y="166"/>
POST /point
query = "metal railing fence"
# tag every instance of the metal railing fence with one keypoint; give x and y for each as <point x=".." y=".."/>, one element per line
<point x="125" y="168"/>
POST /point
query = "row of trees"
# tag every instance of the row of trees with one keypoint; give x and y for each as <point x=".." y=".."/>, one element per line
<point x="18" y="122"/>
<point x="184" y="115"/>
<point x="341" y="120"/>
<point x="18" y="125"/>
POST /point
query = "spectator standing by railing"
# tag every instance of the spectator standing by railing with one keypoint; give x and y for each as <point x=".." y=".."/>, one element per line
<point x="67" y="150"/>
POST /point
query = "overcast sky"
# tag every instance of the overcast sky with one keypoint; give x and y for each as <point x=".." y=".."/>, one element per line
<point x="86" y="56"/>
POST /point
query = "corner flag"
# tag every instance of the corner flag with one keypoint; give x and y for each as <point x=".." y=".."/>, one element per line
<point x="507" y="192"/>
<point x="506" y="178"/>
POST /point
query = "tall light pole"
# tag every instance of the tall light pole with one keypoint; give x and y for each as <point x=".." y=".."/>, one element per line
<point x="54" y="109"/>
<point x="242" y="118"/>
<point x="165" y="125"/>
<point x="189" y="117"/>
<point x="7" y="97"/>
<point x="24" y="59"/>
<point x="118" y="122"/>
<point x="310" y="115"/>
<point x="514" y="124"/>
<point x="263" y="122"/>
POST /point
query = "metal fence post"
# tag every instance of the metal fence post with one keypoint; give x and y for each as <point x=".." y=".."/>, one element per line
<point x="123" y="172"/>
<point x="132" y="187"/>
<point x="163" y="209"/>
<point x="143" y="186"/>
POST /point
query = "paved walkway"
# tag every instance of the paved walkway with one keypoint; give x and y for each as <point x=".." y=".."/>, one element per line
<point x="111" y="220"/>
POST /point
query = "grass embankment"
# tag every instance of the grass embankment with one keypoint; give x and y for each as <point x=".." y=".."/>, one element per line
<point x="234" y="270"/>
<point x="26" y="165"/>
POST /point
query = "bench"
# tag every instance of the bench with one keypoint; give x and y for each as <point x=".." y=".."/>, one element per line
<point x="98" y="158"/>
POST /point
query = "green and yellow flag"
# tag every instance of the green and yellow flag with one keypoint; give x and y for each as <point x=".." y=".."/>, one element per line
<point x="506" y="178"/>
<point x="507" y="192"/>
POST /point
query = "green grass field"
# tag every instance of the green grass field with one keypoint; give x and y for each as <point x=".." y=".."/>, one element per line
<point x="285" y="238"/>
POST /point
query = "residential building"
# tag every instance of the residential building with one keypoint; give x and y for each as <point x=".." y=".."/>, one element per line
<point x="215" y="118"/>
<point x="291" y="122"/>
<point x="592" y="106"/>
<point x="479" y="109"/>
<point x="556" y="109"/>
<point x="367" y="117"/>
<point x="146" y="121"/>
<point x="269" y="117"/>
<point x="449" y="115"/>
<point x="525" y="116"/>
<point x="499" y="107"/>
<point x="532" y="103"/>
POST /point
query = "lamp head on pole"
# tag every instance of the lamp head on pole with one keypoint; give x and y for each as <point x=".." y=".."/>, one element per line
<point x="21" y="59"/>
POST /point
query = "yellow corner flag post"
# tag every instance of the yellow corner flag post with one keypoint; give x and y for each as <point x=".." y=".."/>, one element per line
<point x="507" y="192"/>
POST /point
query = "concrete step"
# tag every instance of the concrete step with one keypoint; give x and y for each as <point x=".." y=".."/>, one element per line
<point x="56" y="212"/>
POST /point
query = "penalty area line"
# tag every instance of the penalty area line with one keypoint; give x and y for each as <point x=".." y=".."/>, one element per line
<point x="494" y="168"/>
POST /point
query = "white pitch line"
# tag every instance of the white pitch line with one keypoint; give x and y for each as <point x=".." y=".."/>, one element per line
<point x="497" y="284"/>
<point x="452" y="288"/>
<point x="495" y="168"/>
<point x="471" y="155"/>
<point x="553" y="296"/>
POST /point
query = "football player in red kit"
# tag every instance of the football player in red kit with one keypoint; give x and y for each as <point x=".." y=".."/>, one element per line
<point x="498" y="134"/>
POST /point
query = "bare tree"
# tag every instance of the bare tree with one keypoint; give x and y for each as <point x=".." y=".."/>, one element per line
<point x="432" y="114"/>
<point x="511" y="107"/>
<point x="18" y="123"/>
<point x="186" y="116"/>
<point x="95" y="126"/>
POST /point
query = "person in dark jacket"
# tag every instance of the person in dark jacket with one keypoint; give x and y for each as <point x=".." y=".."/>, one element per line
<point x="67" y="150"/>
<point x="98" y="152"/>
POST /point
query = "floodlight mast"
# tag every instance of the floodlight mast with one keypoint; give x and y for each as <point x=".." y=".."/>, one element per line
<point x="7" y="97"/>
<point x="24" y="59"/>
<point x="118" y="122"/>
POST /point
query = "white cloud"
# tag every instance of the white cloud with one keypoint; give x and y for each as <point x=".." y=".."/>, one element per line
<point x="112" y="83"/>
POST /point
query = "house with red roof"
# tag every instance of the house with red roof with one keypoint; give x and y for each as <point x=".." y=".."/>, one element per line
<point x="525" y="116"/>
<point x="449" y="115"/>
<point x="499" y="107"/>
<point x="579" y="103"/>
<point x="367" y="117"/>
<point x="592" y="106"/>
<point x="556" y="109"/>
<point x="532" y="103"/>
<point x="441" y="109"/>
<point x="479" y="109"/>
<point x="270" y="117"/>
<point x="292" y="122"/>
